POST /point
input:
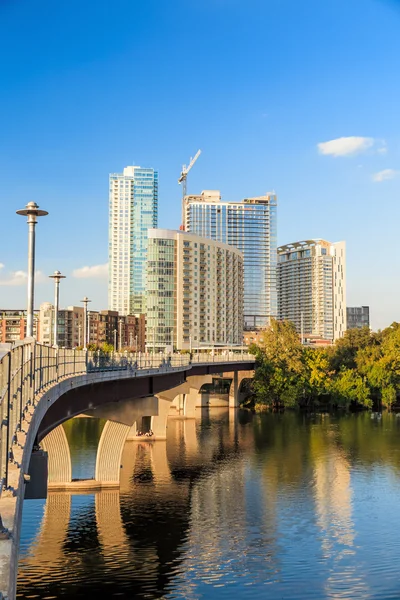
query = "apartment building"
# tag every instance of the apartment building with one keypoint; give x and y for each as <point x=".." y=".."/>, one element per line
<point x="194" y="292"/>
<point x="13" y="325"/>
<point x="312" y="287"/>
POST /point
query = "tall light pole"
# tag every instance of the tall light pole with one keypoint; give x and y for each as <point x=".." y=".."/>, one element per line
<point x="32" y="212"/>
<point x="57" y="278"/>
<point x="120" y="334"/>
<point x="85" y="321"/>
<point x="136" y="348"/>
<point x="115" y="340"/>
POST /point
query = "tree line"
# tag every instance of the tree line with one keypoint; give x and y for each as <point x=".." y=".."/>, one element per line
<point x="361" y="370"/>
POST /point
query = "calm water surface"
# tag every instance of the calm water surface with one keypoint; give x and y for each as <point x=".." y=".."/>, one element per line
<point x="271" y="506"/>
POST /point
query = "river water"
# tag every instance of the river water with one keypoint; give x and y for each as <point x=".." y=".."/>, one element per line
<point x="267" y="506"/>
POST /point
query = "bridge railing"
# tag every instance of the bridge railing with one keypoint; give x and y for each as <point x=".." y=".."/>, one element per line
<point x="227" y="356"/>
<point x="29" y="367"/>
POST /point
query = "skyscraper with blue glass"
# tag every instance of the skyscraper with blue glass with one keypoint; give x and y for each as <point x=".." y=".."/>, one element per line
<point x="250" y="226"/>
<point x="133" y="204"/>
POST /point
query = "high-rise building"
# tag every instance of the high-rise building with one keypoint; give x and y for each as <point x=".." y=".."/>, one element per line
<point x="194" y="292"/>
<point x="250" y="226"/>
<point x="312" y="287"/>
<point x="133" y="203"/>
<point x="357" y="317"/>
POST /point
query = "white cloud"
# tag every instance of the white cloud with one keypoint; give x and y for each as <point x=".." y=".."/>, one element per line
<point x="346" y="146"/>
<point x="383" y="148"/>
<point x="20" y="278"/>
<point x="95" y="272"/>
<point x="384" y="175"/>
<point x="1" y="266"/>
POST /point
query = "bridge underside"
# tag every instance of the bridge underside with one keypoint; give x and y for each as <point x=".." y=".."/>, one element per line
<point x="67" y="397"/>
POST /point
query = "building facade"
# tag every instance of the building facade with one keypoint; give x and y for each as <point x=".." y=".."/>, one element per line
<point x="133" y="204"/>
<point x="312" y="287"/>
<point x="121" y="331"/>
<point x="194" y="292"/>
<point x="13" y="325"/>
<point x="105" y="326"/>
<point x="250" y="226"/>
<point x="357" y="317"/>
<point x="70" y="326"/>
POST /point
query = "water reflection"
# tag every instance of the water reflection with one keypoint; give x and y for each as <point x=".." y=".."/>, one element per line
<point x="278" y="506"/>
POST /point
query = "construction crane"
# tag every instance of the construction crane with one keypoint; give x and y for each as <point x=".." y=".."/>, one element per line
<point x="183" y="180"/>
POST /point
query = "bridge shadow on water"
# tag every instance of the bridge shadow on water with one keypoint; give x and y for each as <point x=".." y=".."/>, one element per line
<point x="129" y="542"/>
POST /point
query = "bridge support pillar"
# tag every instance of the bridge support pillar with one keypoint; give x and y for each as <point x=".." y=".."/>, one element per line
<point x="159" y="422"/>
<point x="59" y="457"/>
<point x="109" y="452"/>
<point x="234" y="396"/>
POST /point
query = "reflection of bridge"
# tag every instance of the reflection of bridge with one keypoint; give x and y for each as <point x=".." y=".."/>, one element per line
<point x="41" y="387"/>
<point x="143" y="524"/>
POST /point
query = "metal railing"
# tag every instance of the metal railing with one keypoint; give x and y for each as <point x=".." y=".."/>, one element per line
<point x="29" y="368"/>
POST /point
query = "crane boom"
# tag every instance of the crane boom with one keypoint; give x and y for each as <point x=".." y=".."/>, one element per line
<point x="183" y="180"/>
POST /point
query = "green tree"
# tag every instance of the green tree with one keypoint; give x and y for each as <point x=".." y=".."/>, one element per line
<point x="279" y="378"/>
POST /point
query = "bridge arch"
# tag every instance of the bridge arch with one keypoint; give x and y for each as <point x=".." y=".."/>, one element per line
<point x="37" y="377"/>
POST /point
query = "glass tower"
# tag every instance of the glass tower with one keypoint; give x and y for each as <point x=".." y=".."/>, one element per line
<point x="250" y="226"/>
<point x="133" y="203"/>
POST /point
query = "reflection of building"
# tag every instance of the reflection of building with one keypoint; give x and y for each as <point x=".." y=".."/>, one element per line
<point x="250" y="226"/>
<point x="133" y="201"/>
<point x="312" y="287"/>
<point x="13" y="325"/>
<point x="357" y="317"/>
<point x="194" y="291"/>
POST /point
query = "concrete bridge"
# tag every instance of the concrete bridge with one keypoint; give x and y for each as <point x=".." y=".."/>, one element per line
<point x="41" y="387"/>
<point x="171" y="469"/>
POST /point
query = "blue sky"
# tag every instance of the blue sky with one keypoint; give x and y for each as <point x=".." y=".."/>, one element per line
<point x="88" y="88"/>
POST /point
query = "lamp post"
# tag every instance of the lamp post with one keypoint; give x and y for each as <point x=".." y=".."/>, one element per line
<point x="136" y="348"/>
<point x="85" y="321"/>
<point x="115" y="340"/>
<point x="120" y="334"/>
<point x="57" y="278"/>
<point x="32" y="212"/>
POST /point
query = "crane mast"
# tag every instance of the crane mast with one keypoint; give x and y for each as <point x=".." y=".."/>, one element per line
<point x="183" y="181"/>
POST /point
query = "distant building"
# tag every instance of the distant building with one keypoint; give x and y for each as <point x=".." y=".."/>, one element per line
<point x="13" y="325"/>
<point x="194" y="292"/>
<point x="357" y="317"/>
<point x="70" y="325"/>
<point x="249" y="226"/>
<point x="312" y="287"/>
<point x="107" y="326"/>
<point x="133" y="202"/>
<point x="104" y="326"/>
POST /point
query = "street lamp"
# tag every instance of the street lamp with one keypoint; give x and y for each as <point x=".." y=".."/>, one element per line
<point x="120" y="334"/>
<point x="57" y="278"/>
<point x="32" y="212"/>
<point x="85" y="321"/>
<point x="115" y="340"/>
